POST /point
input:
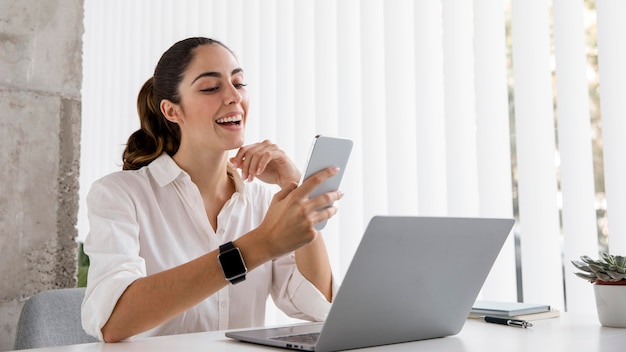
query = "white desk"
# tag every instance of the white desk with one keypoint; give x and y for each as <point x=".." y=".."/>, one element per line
<point x="569" y="332"/>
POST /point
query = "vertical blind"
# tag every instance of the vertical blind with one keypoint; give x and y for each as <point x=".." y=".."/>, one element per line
<point x="440" y="126"/>
<point x="536" y="146"/>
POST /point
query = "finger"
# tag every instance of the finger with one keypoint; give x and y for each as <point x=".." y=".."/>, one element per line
<point x="258" y="157"/>
<point x="252" y="164"/>
<point x="325" y="200"/>
<point x="238" y="160"/>
<point x="317" y="178"/>
<point x="262" y="161"/>
<point x="247" y="162"/>
<point x="245" y="167"/>
<point x="325" y="214"/>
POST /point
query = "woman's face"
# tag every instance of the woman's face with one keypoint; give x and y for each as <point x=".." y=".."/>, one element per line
<point x="214" y="102"/>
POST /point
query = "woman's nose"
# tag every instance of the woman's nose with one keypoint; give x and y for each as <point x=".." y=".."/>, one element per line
<point x="232" y="95"/>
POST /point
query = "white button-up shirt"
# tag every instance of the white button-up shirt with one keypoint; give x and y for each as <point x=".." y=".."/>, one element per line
<point x="153" y="219"/>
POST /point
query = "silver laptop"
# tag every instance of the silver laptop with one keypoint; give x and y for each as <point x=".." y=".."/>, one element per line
<point x="411" y="278"/>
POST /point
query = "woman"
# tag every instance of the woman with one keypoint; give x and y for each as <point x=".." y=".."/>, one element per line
<point x="156" y="228"/>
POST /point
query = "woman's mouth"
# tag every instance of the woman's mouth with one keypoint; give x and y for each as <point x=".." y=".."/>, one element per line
<point x="230" y="120"/>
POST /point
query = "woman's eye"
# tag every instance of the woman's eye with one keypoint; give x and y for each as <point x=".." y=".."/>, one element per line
<point x="239" y="85"/>
<point x="210" y="90"/>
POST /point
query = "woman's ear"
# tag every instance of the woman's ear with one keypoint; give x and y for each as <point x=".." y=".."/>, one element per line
<point x="170" y="111"/>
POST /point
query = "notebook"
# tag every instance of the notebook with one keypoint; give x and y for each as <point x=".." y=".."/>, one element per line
<point x="507" y="309"/>
<point x="411" y="278"/>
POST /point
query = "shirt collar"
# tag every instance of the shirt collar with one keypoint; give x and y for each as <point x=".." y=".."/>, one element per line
<point x="165" y="170"/>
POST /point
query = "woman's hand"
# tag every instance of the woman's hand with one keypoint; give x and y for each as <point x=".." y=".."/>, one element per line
<point x="290" y="220"/>
<point x="267" y="162"/>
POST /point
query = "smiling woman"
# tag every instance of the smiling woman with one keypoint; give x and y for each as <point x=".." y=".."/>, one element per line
<point x="170" y="232"/>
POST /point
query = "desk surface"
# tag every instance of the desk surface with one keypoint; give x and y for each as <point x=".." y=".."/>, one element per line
<point x="570" y="332"/>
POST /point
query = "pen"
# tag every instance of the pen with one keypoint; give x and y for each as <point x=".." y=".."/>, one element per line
<point x="509" y="322"/>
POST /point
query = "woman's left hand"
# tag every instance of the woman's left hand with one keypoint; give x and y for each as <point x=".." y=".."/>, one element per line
<point x="267" y="162"/>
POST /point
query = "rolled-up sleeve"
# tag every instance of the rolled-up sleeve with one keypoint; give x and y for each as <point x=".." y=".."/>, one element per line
<point x="113" y="249"/>
<point x="295" y="295"/>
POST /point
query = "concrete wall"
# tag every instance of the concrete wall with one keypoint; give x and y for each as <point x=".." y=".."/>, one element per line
<point x="40" y="81"/>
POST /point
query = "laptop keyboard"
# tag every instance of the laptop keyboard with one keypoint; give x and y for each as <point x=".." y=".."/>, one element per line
<point x="309" y="338"/>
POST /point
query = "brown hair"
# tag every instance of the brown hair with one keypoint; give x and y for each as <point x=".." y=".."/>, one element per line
<point x="157" y="134"/>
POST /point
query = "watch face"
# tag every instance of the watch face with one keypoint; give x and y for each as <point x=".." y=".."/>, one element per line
<point x="232" y="263"/>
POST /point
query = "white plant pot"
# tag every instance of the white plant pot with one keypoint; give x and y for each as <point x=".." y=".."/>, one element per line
<point x="611" y="305"/>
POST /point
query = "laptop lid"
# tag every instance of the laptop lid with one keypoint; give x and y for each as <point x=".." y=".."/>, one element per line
<point x="411" y="278"/>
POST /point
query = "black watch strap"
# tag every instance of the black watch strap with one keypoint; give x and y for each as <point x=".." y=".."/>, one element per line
<point x="232" y="263"/>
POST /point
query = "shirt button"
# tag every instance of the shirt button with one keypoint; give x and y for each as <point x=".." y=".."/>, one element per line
<point x="223" y="304"/>
<point x="221" y="231"/>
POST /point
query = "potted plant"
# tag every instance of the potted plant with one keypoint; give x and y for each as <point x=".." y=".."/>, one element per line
<point x="608" y="276"/>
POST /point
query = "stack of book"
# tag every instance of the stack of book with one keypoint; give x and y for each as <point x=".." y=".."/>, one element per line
<point x="513" y="310"/>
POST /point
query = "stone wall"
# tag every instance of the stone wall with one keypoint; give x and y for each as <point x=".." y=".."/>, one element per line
<point x="40" y="82"/>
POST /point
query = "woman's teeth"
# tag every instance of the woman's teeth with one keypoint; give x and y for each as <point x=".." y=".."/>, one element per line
<point x="230" y="119"/>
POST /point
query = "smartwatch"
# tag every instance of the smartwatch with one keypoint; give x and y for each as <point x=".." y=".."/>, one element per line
<point x="232" y="263"/>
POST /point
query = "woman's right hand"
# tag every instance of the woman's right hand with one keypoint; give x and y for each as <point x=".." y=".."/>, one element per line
<point x="290" y="220"/>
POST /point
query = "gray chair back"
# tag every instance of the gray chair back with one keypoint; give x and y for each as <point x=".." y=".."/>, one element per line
<point x="52" y="318"/>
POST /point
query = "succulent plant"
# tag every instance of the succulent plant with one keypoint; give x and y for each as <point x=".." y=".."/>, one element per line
<point x="610" y="268"/>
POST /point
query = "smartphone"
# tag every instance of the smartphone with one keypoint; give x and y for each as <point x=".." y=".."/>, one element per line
<point x="326" y="152"/>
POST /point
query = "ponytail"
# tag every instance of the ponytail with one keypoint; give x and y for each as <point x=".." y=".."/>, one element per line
<point x="156" y="135"/>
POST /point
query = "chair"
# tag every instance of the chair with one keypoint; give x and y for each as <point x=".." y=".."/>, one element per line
<point x="52" y="318"/>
